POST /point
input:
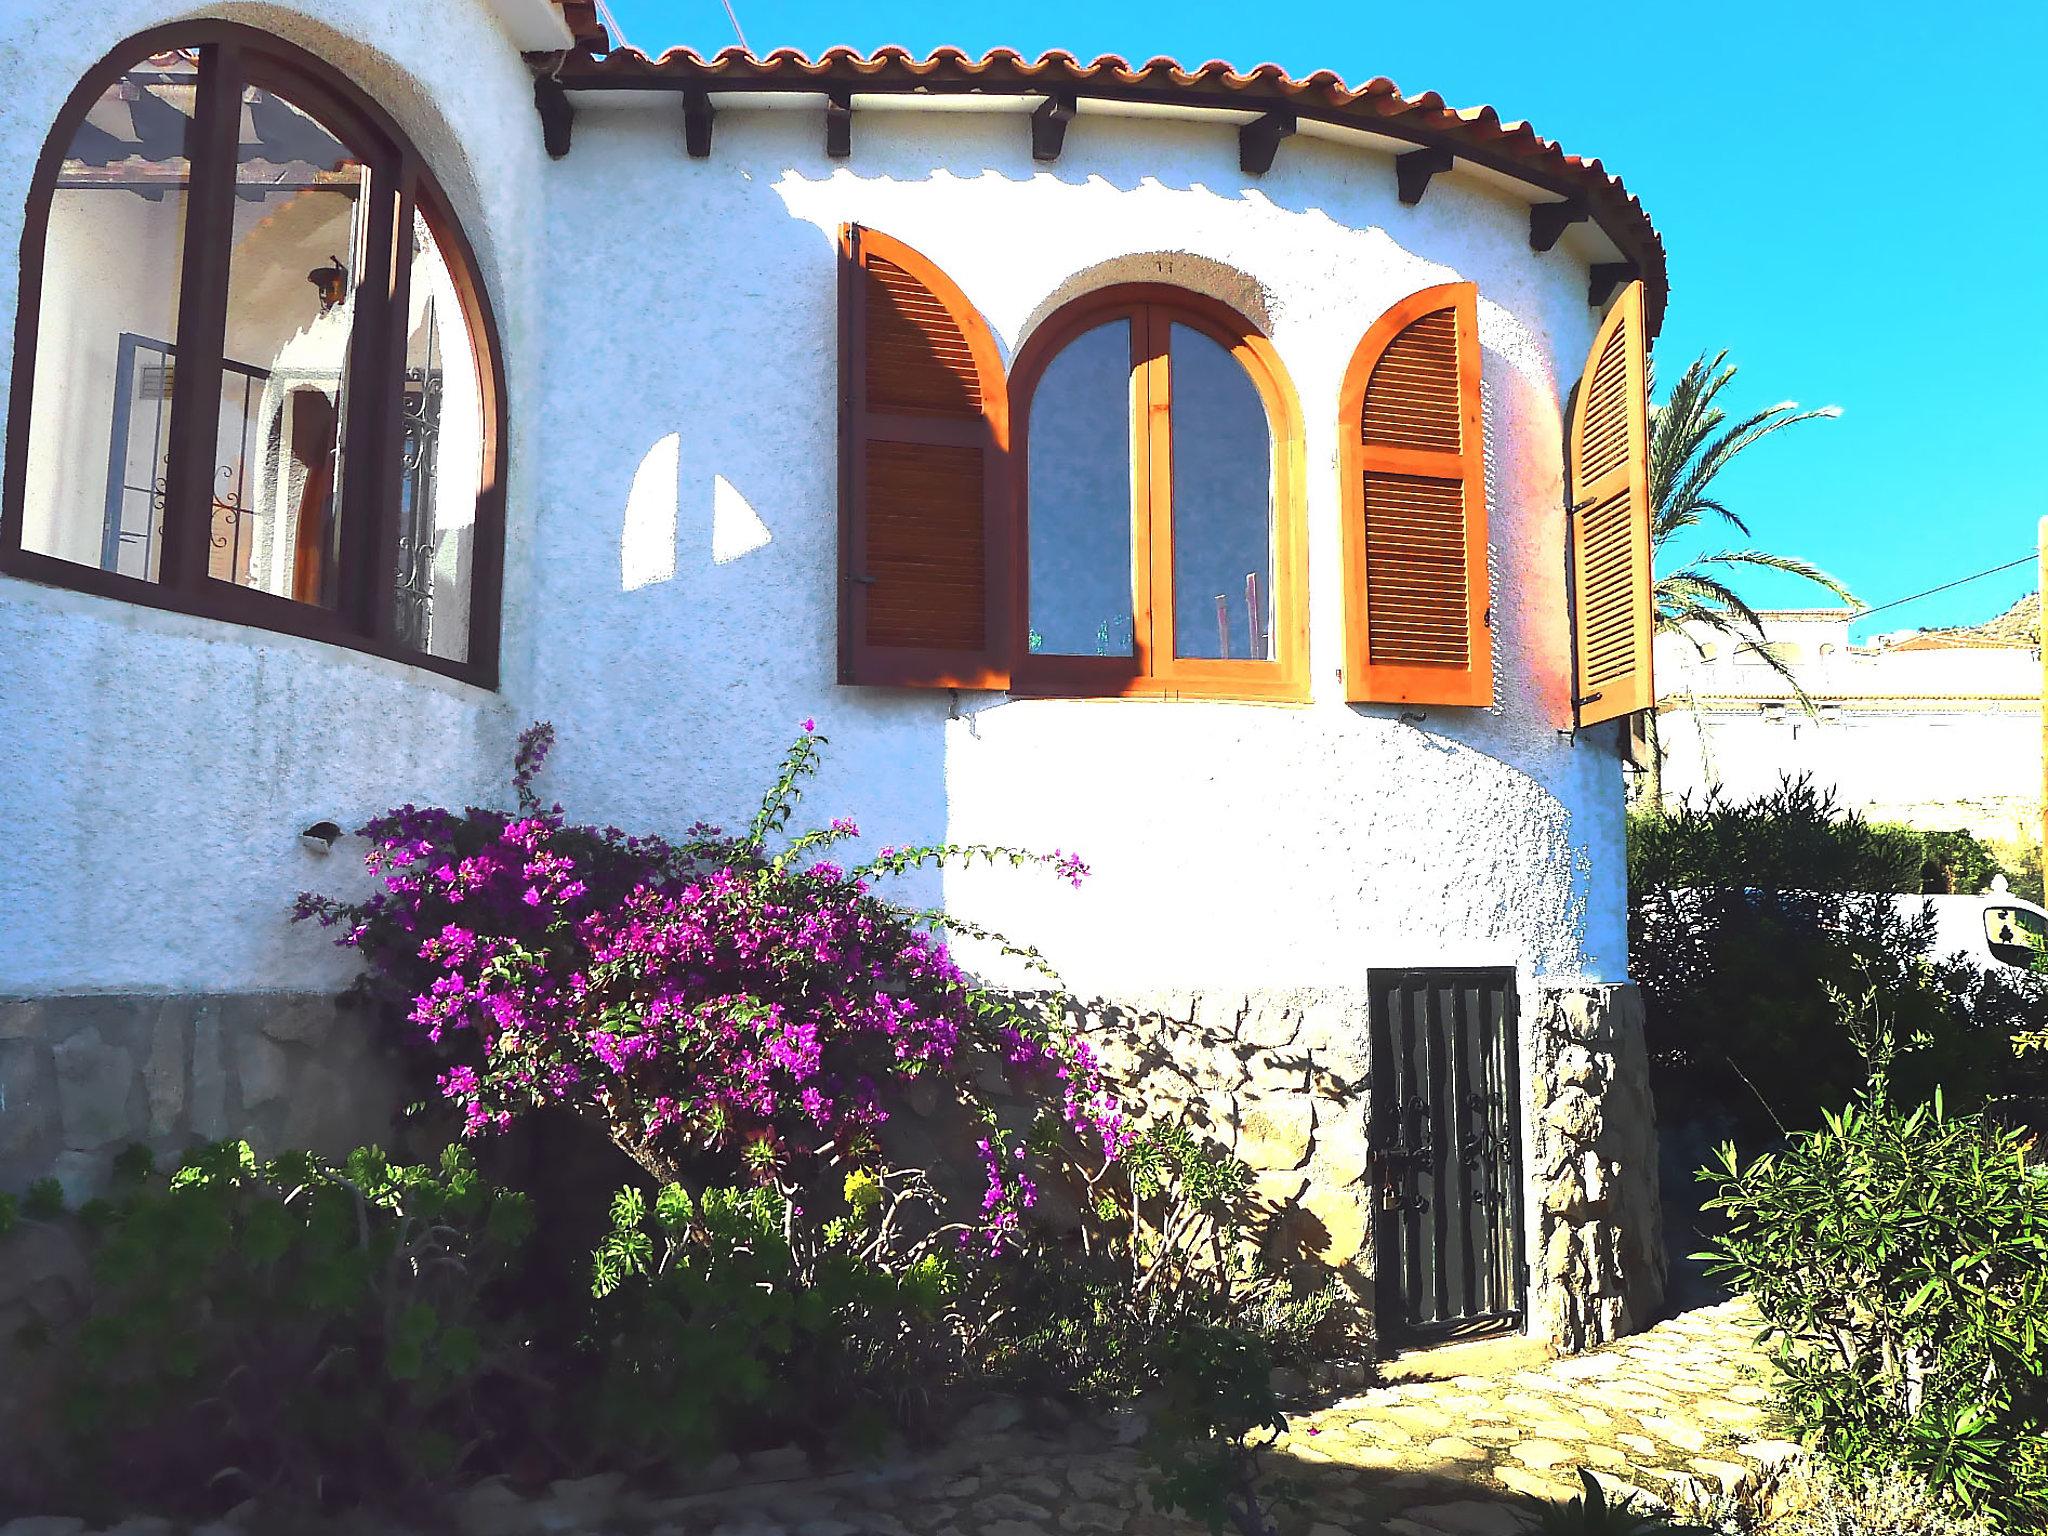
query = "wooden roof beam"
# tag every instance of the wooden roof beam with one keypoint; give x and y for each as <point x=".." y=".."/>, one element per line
<point x="1608" y="276"/>
<point x="839" y="123"/>
<point x="1549" y="221"/>
<point x="557" y="117"/>
<point x="1259" y="140"/>
<point x="1049" y="125"/>
<point x="1413" y="170"/>
<point x="698" y="115"/>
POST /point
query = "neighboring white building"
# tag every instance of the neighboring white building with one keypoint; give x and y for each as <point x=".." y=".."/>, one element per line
<point x="685" y="399"/>
<point x="1937" y="729"/>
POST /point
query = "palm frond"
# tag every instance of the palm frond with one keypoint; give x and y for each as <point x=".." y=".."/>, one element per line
<point x="1790" y="565"/>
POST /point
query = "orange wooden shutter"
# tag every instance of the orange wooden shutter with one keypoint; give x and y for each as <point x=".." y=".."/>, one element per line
<point x="1609" y="497"/>
<point x="1413" y="462"/>
<point x="924" y="428"/>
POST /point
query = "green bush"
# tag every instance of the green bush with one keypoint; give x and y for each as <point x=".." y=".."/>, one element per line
<point x="719" y="1324"/>
<point x="1900" y="1260"/>
<point x="1167" y="1300"/>
<point x="1748" y="918"/>
<point x="296" y="1329"/>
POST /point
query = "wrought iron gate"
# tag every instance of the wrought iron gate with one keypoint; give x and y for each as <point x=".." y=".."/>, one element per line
<point x="1447" y="1158"/>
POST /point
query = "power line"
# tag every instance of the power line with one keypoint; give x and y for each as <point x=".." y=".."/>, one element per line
<point x="1959" y="581"/>
<point x="734" y="19"/>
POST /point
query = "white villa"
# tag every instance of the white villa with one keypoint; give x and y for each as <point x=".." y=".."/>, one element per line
<point x="1237" y="479"/>
<point x="1937" y="729"/>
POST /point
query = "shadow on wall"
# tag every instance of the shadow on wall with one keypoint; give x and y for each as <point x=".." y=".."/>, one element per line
<point x="1277" y="1081"/>
<point x="691" y="536"/>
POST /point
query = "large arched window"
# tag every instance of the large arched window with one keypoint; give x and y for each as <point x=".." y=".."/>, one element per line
<point x="1159" y="446"/>
<point x="254" y="373"/>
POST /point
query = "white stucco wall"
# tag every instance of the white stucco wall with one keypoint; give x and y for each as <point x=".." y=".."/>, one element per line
<point x="671" y="573"/>
<point x="155" y="769"/>
<point x="691" y="320"/>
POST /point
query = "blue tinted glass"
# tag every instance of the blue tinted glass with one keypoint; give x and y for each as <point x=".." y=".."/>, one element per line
<point x="1222" y="505"/>
<point x="1080" y="514"/>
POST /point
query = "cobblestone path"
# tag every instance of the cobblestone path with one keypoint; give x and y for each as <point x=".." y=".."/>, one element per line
<point x="1683" y="1403"/>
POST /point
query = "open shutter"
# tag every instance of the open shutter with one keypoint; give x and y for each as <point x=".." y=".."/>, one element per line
<point x="924" y="428"/>
<point x="1414" y="497"/>
<point x="1609" y="496"/>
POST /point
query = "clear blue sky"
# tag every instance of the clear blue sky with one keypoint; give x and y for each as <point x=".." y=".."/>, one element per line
<point x="1852" y="195"/>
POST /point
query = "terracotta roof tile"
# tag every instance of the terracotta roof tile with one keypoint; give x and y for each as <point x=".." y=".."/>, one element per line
<point x="1478" y="134"/>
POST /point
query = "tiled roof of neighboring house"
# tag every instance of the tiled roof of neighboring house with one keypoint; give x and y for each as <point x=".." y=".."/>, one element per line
<point x="2018" y="628"/>
<point x="1478" y="135"/>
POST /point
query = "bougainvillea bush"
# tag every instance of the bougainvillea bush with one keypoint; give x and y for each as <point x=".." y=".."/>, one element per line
<point x="729" y="1007"/>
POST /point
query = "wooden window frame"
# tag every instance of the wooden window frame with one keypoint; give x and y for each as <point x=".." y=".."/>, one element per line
<point x="1152" y="670"/>
<point x="1366" y="681"/>
<point x="364" y="617"/>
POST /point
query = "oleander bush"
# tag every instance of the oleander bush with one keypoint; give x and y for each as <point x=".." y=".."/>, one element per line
<point x="1900" y="1260"/>
<point x="1748" y="917"/>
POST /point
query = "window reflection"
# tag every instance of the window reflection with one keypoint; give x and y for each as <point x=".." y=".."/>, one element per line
<point x="112" y="257"/>
<point x="442" y="465"/>
<point x="1222" y="504"/>
<point x="1080" y="474"/>
<point x="297" y="248"/>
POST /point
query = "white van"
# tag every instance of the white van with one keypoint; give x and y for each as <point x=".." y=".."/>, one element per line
<point x="1995" y="929"/>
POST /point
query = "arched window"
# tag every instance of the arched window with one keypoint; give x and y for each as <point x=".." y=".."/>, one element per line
<point x="1161" y="549"/>
<point x="255" y="376"/>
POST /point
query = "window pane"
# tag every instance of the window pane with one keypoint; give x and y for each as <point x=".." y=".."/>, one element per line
<point x="298" y="242"/>
<point x="109" y="313"/>
<point x="1080" y="519"/>
<point x="442" y="467"/>
<point x="1222" y="504"/>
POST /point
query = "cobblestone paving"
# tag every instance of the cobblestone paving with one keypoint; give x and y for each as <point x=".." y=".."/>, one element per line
<point x="1449" y="1456"/>
<point x="1683" y="1404"/>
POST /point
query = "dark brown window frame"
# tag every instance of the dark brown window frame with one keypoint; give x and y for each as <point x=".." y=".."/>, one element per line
<point x="364" y="617"/>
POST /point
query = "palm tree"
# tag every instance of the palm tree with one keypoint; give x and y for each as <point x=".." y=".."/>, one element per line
<point x="1691" y="441"/>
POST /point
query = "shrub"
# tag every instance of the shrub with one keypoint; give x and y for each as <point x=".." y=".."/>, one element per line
<point x="1169" y="1302"/>
<point x="1872" y="1503"/>
<point x="722" y="1321"/>
<point x="727" y="1010"/>
<point x="1746" y="919"/>
<point x="1900" y="1260"/>
<point x="295" y="1329"/>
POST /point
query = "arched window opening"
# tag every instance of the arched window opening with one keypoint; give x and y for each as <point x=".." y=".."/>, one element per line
<point x="255" y="375"/>
<point x="1161" y="538"/>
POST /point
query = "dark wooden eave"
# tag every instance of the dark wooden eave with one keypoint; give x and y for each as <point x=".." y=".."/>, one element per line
<point x="1259" y="140"/>
<point x="698" y="117"/>
<point x="1049" y="121"/>
<point x="1412" y="171"/>
<point x="1549" y="221"/>
<point x="557" y="116"/>
<point x="1569" y="187"/>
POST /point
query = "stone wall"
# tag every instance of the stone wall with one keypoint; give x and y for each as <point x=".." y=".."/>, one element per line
<point x="1279" y="1078"/>
<point x="83" y="1077"/>
<point x="1598" y="1271"/>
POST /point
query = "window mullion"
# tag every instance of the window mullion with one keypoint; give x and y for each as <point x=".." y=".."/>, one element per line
<point x="202" y="318"/>
<point x="374" y="430"/>
<point x="1158" y="499"/>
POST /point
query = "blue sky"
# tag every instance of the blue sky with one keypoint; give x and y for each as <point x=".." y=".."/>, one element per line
<point x="1850" y="194"/>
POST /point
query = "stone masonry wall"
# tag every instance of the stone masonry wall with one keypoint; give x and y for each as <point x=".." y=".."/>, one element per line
<point x="1592" y="1169"/>
<point x="82" y="1077"/>
<point x="1276" y="1077"/>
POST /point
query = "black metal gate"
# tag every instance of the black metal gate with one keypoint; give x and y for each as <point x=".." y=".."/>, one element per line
<point x="1447" y="1156"/>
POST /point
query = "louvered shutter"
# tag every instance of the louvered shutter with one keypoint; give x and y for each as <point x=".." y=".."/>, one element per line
<point x="924" y="427"/>
<point x="1609" y="466"/>
<point x="1413" y="464"/>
